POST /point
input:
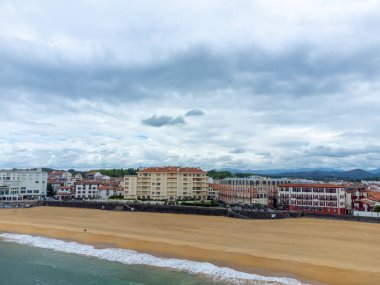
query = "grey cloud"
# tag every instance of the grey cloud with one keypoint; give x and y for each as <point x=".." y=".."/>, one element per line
<point x="238" y="150"/>
<point x="195" y="112"/>
<point x="197" y="71"/>
<point x="342" y="151"/>
<point x="159" y="121"/>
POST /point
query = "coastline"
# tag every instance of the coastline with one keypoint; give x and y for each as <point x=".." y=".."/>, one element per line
<point x="338" y="252"/>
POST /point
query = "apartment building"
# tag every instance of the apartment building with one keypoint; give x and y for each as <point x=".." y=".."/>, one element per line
<point x="22" y="184"/>
<point x="250" y="190"/>
<point x="315" y="198"/>
<point x="170" y="183"/>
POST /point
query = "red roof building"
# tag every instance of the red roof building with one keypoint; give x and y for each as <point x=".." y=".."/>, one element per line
<point x="313" y="198"/>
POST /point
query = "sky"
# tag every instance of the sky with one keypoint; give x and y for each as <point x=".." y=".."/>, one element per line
<point x="210" y="83"/>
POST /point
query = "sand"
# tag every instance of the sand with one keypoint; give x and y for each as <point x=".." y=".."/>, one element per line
<point x="312" y="250"/>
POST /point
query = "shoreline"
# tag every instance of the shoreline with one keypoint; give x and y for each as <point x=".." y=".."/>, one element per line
<point x="186" y="237"/>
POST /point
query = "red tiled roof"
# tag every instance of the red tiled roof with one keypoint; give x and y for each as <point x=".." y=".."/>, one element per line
<point x="172" y="169"/>
<point x="105" y="187"/>
<point x="374" y="195"/>
<point x="217" y="186"/>
<point x="314" y="185"/>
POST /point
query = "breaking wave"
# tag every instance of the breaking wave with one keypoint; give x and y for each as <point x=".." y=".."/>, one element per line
<point x="125" y="256"/>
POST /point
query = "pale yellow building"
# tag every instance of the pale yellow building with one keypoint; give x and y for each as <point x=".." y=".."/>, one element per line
<point x="129" y="185"/>
<point x="172" y="183"/>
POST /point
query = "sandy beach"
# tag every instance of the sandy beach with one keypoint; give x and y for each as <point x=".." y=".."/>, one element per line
<point x="312" y="250"/>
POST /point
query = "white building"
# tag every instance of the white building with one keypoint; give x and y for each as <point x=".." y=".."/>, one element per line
<point x="106" y="192"/>
<point x="314" y="198"/>
<point x="23" y="184"/>
<point x="87" y="190"/>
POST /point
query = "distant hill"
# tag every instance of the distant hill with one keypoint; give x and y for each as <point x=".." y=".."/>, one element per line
<point x="331" y="175"/>
<point x="312" y="173"/>
<point x="376" y="171"/>
<point x="276" y="171"/>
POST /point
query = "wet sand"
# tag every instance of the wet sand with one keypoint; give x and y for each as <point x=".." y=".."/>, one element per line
<point x="312" y="250"/>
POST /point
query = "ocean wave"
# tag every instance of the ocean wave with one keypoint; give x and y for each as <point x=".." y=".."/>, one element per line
<point x="130" y="257"/>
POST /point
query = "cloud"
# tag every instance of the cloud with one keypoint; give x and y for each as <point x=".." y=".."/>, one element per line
<point x="159" y="121"/>
<point x="194" y="112"/>
<point x="238" y="150"/>
<point x="81" y="93"/>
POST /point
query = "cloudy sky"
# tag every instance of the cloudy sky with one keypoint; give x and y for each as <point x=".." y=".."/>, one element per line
<point x="209" y="83"/>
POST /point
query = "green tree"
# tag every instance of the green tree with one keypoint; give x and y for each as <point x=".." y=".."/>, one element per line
<point x="219" y="174"/>
<point x="50" y="190"/>
<point x="377" y="209"/>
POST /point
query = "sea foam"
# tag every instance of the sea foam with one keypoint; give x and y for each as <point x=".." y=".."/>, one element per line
<point x="125" y="256"/>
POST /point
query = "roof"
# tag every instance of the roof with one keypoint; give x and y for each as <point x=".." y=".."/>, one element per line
<point x="88" y="182"/>
<point x="217" y="186"/>
<point x="172" y="169"/>
<point x="63" y="194"/>
<point x="374" y="195"/>
<point x="367" y="201"/>
<point x="64" y="187"/>
<point x="105" y="187"/>
<point x="314" y="185"/>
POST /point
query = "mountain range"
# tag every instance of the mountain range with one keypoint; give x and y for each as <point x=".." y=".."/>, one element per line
<point x="313" y="173"/>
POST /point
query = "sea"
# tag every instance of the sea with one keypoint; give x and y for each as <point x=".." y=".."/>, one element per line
<point x="34" y="260"/>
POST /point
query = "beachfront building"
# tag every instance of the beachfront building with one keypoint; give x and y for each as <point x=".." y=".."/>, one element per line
<point x="87" y="189"/>
<point x="250" y="190"/>
<point x="65" y="192"/>
<point x="314" y="198"/>
<point x="213" y="193"/>
<point x="108" y="191"/>
<point x="354" y="194"/>
<point x="368" y="202"/>
<point x="23" y="184"/>
<point x="167" y="183"/>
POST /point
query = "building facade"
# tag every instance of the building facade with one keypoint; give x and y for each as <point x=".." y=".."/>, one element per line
<point x="87" y="189"/>
<point x="23" y="184"/>
<point x="314" y="198"/>
<point x="167" y="183"/>
<point x="129" y="185"/>
<point x="250" y="190"/>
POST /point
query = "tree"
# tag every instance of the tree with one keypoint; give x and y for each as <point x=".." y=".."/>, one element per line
<point x="50" y="190"/>
<point x="219" y="174"/>
<point x="377" y="209"/>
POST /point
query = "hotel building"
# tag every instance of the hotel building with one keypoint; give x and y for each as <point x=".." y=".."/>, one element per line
<point x="315" y="198"/>
<point x="166" y="183"/>
<point x="250" y="190"/>
<point x="22" y="184"/>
